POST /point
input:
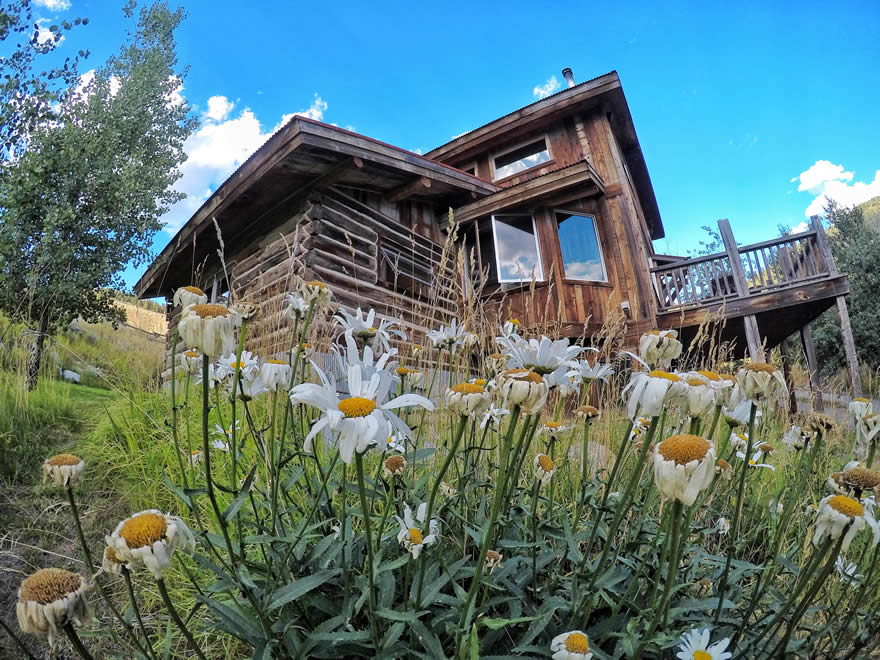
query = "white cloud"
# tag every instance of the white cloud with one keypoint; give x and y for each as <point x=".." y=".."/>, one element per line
<point x="798" y="228"/>
<point x="53" y="5"/>
<point x="44" y="34"/>
<point x="223" y="142"/>
<point x="545" y="90"/>
<point x="219" y="108"/>
<point x="825" y="180"/>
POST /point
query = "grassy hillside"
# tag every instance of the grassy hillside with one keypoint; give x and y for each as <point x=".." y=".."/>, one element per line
<point x="871" y="212"/>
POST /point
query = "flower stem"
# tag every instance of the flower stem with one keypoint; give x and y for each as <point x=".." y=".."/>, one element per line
<point x="582" y="486"/>
<point x="359" y="464"/>
<point x="177" y="620"/>
<point x="77" y="642"/>
<point x="134" y="606"/>
<point x="535" y="491"/>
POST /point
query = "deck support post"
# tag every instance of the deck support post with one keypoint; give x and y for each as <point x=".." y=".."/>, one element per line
<point x="753" y="334"/>
<point x="849" y="346"/>
<point x="786" y="372"/>
<point x="812" y="368"/>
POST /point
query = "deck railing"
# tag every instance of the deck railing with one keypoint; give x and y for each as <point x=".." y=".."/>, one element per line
<point x="771" y="265"/>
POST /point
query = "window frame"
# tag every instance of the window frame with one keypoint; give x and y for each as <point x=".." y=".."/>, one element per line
<point x="591" y="216"/>
<point x="514" y="147"/>
<point x="543" y="277"/>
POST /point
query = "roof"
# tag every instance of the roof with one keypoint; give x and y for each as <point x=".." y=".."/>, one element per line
<point x="602" y="92"/>
<point x="300" y="155"/>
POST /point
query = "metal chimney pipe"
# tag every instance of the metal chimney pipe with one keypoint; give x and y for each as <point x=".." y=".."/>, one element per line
<point x="569" y="76"/>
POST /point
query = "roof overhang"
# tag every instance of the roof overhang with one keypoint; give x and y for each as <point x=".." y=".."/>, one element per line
<point x="604" y="93"/>
<point x="575" y="181"/>
<point x="303" y="156"/>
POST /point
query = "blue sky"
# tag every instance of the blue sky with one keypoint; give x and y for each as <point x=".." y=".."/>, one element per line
<point x="731" y="106"/>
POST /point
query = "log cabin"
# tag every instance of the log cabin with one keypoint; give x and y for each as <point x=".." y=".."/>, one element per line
<point x="552" y="208"/>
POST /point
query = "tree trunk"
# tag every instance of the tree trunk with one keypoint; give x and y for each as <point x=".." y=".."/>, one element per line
<point x="36" y="354"/>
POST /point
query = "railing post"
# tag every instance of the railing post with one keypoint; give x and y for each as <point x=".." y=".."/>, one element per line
<point x="753" y="335"/>
<point x="824" y="246"/>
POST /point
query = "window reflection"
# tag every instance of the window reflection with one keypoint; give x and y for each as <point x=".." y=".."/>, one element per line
<point x="581" y="252"/>
<point x="516" y="248"/>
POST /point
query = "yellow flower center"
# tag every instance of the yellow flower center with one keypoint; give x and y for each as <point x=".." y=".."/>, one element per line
<point x="723" y="465"/>
<point x="760" y="366"/>
<point x="497" y="356"/>
<point x="480" y="381"/>
<point x="143" y="529"/>
<point x="275" y="362"/>
<point x="861" y="478"/>
<point x="696" y="382"/>
<point x="846" y="505"/>
<point x="209" y="311"/>
<point x="316" y="284"/>
<point x="743" y="437"/>
<point x="702" y="655"/>
<point x="588" y="411"/>
<point x="513" y="321"/>
<point x="371" y="329"/>
<point x="402" y="371"/>
<point x="577" y="642"/>
<point x="683" y="448"/>
<point x="861" y="399"/>
<point x="48" y="585"/>
<point x="545" y="463"/>
<point x="709" y="375"/>
<point x="553" y="425"/>
<point x="395" y="464"/>
<point x="752" y="462"/>
<point x="766" y="447"/>
<point x="467" y="388"/>
<point x="653" y="332"/>
<point x="356" y="406"/>
<point x="305" y="346"/>
<point x="64" y="459"/>
<point x="193" y="354"/>
<point x="729" y="377"/>
<point x="525" y="374"/>
<point x="493" y="556"/>
<point x="664" y="374"/>
<point x="415" y="536"/>
<point x="110" y="555"/>
<point x="196" y="452"/>
<point x="194" y="289"/>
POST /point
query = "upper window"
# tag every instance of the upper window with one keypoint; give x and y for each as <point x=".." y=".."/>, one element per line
<point x="517" y="254"/>
<point x="521" y="158"/>
<point x="581" y="252"/>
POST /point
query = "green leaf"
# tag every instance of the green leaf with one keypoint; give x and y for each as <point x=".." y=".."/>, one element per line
<point x="394" y="615"/>
<point x="233" y="508"/>
<point x="497" y="624"/>
<point x="300" y="587"/>
<point x="177" y="491"/>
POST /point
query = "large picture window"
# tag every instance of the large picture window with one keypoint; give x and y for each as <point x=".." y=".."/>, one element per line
<point x="517" y="254"/>
<point x="520" y="158"/>
<point x="581" y="252"/>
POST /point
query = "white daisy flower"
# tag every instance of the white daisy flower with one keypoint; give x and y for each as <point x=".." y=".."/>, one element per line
<point x="64" y="469"/>
<point x="150" y="538"/>
<point x="572" y="645"/>
<point x="838" y="511"/>
<point x="413" y="377"/>
<point x="753" y="461"/>
<point x="544" y="468"/>
<point x="640" y="425"/>
<point x="510" y="327"/>
<point x="700" y="397"/>
<point x="213" y="378"/>
<point x="397" y="442"/>
<point x="684" y="465"/>
<point x="653" y="390"/>
<point x="366" y="359"/>
<point x="247" y="365"/>
<point x="317" y="292"/>
<point x="275" y="374"/>
<point x="191" y="361"/>
<point x="187" y="296"/>
<point x="49" y="600"/>
<point x="209" y="328"/>
<point x="195" y="457"/>
<point x="795" y="438"/>
<point x="294" y="306"/>
<point x="450" y="338"/>
<point x="587" y="372"/>
<point x="492" y="416"/>
<point x="411" y="530"/>
<point x="554" y="429"/>
<point x="465" y="398"/>
<point x="367" y="330"/>
<point x="524" y="388"/>
<point x="659" y="348"/>
<point x="860" y="407"/>
<point x="694" y="645"/>
<point x="362" y="419"/>
<point x="723" y="526"/>
<point x="761" y="382"/>
<point x="869" y="425"/>
<point x="110" y="563"/>
<point x="543" y="356"/>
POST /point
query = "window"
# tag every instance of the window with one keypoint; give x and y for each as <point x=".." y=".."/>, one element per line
<point x="581" y="252"/>
<point x="517" y="254"/>
<point x="406" y="264"/>
<point x="521" y="158"/>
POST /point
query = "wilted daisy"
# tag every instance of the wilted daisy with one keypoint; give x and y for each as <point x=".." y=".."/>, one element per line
<point x="524" y="388"/>
<point x="554" y="429"/>
<point x="413" y="377"/>
<point x="209" y="328"/>
<point x="819" y="424"/>
<point x="640" y="425"/>
<point x="64" y="469"/>
<point x="189" y="295"/>
<point x="497" y="362"/>
<point x="448" y="490"/>
<point x="572" y="645"/>
<point x="683" y="466"/>
<point x="275" y="374"/>
<point x="739" y="415"/>
<point x="659" y="348"/>
<point x="316" y="292"/>
<point x="723" y="468"/>
<point x="492" y="416"/>
<point x="722" y="526"/>
<point x="838" y="511"/>
<point x="493" y="559"/>
<point x="195" y="457"/>
<point x="795" y="438"/>
<point x="411" y="530"/>
<point x="761" y="382"/>
<point x="652" y="390"/>
<point x="723" y="386"/>
<point x="464" y="398"/>
<point x="694" y="645"/>
<point x="110" y="563"/>
<point x="362" y="419"/>
<point x="857" y="480"/>
<point x="368" y="330"/>
<point x="587" y="412"/>
<point x="543" y="356"/>
<point x="739" y="441"/>
<point x="294" y="306"/>
<point x="450" y="338"/>
<point x="544" y="468"/>
<point x="394" y="465"/>
<point x="191" y="361"/>
<point x="860" y="406"/>
<point x="49" y="600"/>
<point x="700" y="397"/>
<point x="510" y="327"/>
<point x="869" y="426"/>
<point x="150" y="538"/>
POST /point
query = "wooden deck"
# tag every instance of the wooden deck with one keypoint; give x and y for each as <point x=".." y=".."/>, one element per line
<point x="768" y="290"/>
